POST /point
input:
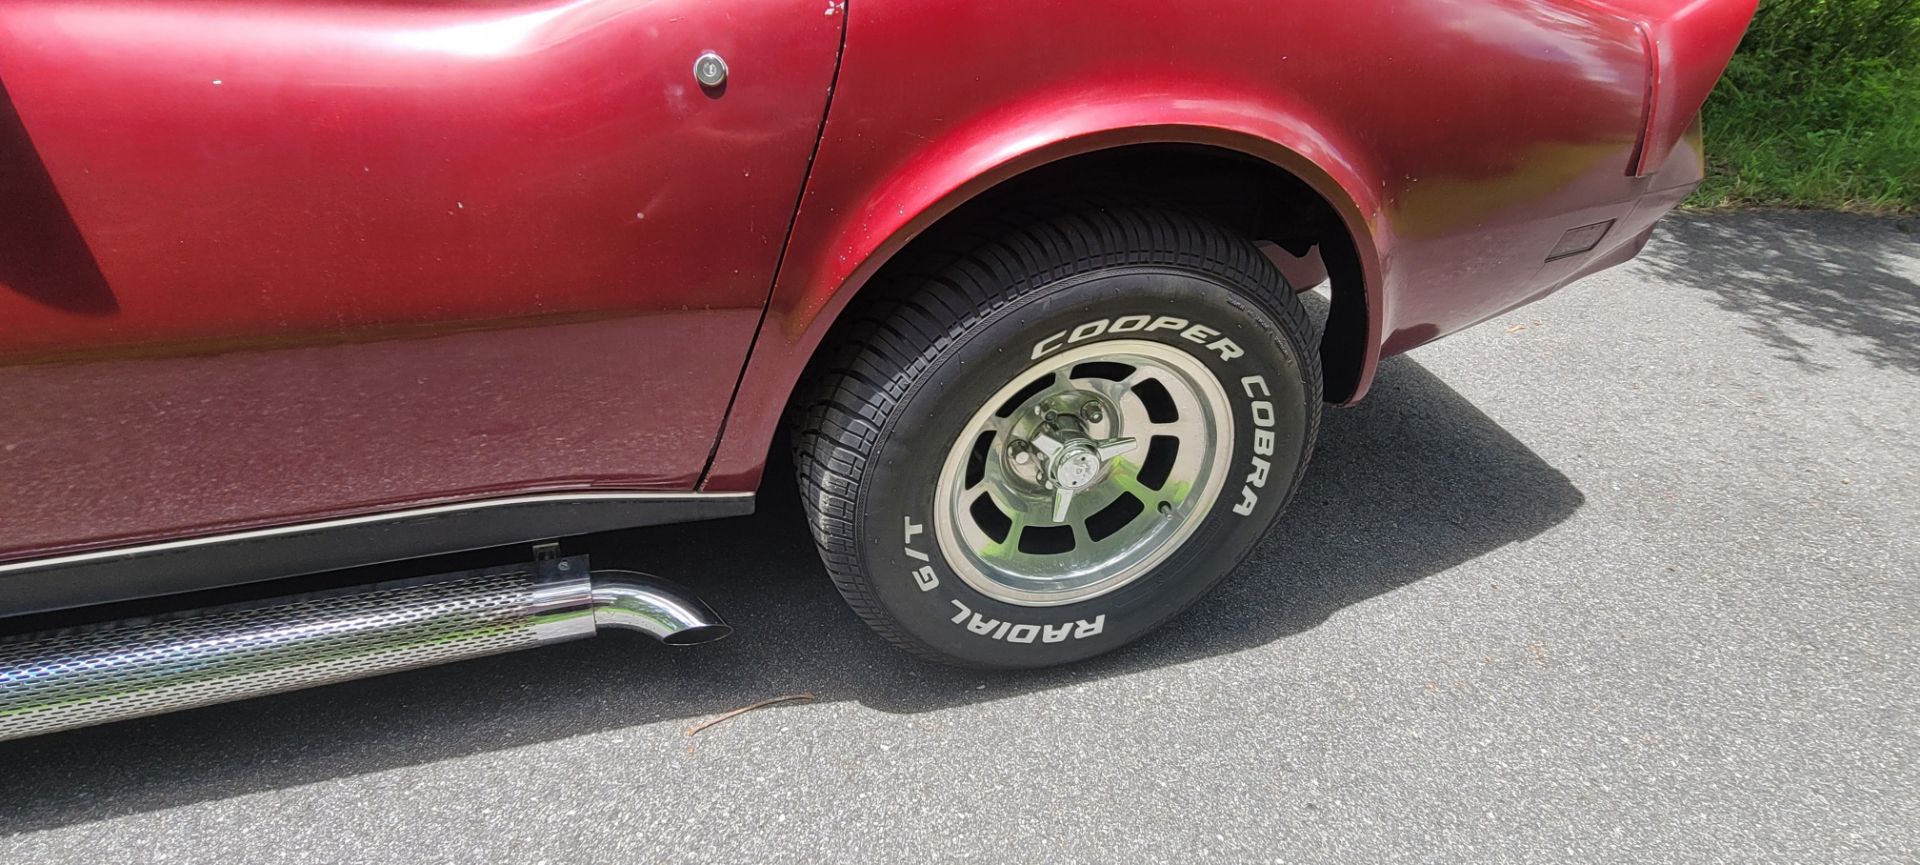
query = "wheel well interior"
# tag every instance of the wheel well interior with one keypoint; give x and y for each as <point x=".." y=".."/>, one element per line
<point x="1260" y="200"/>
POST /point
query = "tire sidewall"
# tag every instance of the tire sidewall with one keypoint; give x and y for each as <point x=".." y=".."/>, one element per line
<point x="1231" y="329"/>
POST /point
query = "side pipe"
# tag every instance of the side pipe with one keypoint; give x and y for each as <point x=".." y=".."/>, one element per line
<point x="634" y="601"/>
<point x="94" y="674"/>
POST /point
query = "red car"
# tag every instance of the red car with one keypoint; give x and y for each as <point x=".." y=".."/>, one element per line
<point x="296" y="286"/>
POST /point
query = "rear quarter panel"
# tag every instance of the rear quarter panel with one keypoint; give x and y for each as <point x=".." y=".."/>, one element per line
<point x="1458" y="139"/>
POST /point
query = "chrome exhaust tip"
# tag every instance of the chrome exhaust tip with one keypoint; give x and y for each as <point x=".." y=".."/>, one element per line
<point x="112" y="671"/>
<point x="659" y="608"/>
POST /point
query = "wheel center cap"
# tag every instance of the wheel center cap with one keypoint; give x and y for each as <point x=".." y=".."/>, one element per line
<point x="1076" y="467"/>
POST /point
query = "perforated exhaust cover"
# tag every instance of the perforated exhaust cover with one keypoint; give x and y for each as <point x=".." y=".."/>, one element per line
<point x="89" y="675"/>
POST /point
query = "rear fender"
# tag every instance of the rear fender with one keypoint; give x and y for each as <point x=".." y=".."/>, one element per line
<point x="834" y="252"/>
<point x="1687" y="47"/>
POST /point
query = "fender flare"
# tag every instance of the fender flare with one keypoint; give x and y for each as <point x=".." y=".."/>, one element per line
<point x="849" y="227"/>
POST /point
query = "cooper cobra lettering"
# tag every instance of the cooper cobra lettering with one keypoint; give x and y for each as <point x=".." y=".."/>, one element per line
<point x="1199" y="334"/>
<point x="1263" y="439"/>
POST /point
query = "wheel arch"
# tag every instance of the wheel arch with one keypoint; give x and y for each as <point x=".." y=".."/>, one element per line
<point x="834" y="255"/>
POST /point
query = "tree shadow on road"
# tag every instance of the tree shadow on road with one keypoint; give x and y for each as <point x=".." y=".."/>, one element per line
<point x="1411" y="483"/>
<point x="1854" y="276"/>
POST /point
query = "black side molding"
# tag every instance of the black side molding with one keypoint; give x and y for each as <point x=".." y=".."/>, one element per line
<point x="217" y="561"/>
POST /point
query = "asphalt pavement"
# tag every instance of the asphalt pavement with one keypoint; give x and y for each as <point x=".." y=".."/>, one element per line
<point x="1629" y="575"/>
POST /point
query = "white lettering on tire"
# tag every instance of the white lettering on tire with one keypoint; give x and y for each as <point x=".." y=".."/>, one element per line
<point x="1088" y="331"/>
<point x="924" y="577"/>
<point x="1024" y="633"/>
<point x="1198" y="334"/>
<point x="995" y="629"/>
<point x="1263" y="420"/>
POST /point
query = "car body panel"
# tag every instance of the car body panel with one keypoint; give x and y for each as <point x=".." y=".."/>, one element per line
<point x="281" y="261"/>
<point x="1688" y="43"/>
<point x="1458" y="139"/>
<point x="338" y="257"/>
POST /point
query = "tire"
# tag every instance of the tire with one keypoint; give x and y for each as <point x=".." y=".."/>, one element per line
<point x="948" y="349"/>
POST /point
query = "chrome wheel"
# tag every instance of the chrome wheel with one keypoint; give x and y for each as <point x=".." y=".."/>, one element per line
<point x="1083" y="472"/>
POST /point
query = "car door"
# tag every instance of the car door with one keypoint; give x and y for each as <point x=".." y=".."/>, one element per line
<point x="266" y="261"/>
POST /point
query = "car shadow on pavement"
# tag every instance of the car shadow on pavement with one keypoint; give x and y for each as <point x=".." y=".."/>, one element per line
<point x="1840" y="273"/>
<point x="1412" y="482"/>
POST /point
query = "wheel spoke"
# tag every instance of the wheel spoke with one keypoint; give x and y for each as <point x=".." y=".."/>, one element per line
<point x="994" y="474"/>
<point x="1081" y="539"/>
<point x="1111" y="448"/>
<point x="1017" y="523"/>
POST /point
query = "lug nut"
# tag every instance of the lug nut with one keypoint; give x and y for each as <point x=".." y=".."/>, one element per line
<point x="1091" y="414"/>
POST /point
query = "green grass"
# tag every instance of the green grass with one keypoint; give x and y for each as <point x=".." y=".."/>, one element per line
<point x="1820" y="108"/>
